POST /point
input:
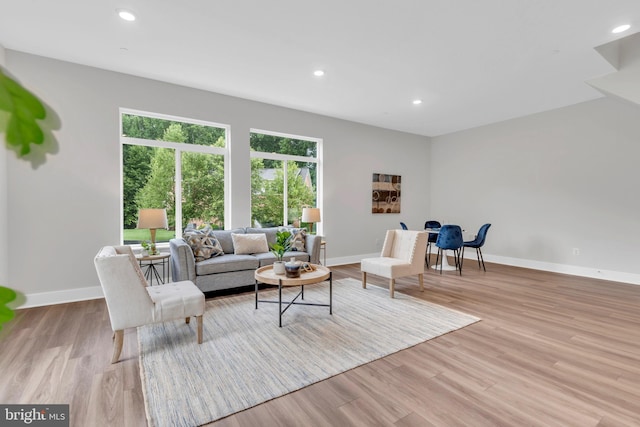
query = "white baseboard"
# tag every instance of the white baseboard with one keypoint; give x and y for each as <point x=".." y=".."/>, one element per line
<point x="594" y="273"/>
<point x="350" y="259"/>
<point x="58" y="297"/>
<point x="574" y="270"/>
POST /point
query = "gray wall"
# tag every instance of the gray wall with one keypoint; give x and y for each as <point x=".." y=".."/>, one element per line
<point x="61" y="211"/>
<point x="549" y="183"/>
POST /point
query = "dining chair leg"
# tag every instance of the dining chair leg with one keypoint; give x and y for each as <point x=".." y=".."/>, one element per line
<point x="482" y="259"/>
<point x="456" y="259"/>
<point x="460" y="259"/>
<point x="426" y="256"/>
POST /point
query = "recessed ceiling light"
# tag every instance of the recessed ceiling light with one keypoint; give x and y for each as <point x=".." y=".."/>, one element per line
<point x="621" y="28"/>
<point x="126" y="15"/>
<point x="417" y="101"/>
<point x="318" y="73"/>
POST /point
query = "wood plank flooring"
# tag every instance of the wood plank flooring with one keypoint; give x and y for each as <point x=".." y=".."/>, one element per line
<point x="551" y="350"/>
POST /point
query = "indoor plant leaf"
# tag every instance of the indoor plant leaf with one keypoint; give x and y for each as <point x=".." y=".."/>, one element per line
<point x="23" y="108"/>
<point x="6" y="296"/>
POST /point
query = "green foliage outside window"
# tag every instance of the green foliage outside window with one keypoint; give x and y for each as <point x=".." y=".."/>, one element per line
<point x="267" y="199"/>
<point x="149" y="173"/>
<point x="277" y="144"/>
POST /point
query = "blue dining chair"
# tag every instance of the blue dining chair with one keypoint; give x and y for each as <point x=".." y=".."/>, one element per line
<point x="450" y="238"/>
<point x="431" y="239"/>
<point x="403" y="225"/>
<point x="477" y="244"/>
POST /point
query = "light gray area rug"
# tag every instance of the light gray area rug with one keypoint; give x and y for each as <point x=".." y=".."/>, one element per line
<point x="246" y="359"/>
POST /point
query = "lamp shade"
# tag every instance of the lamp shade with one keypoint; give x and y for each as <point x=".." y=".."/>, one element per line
<point x="311" y="215"/>
<point x="152" y="218"/>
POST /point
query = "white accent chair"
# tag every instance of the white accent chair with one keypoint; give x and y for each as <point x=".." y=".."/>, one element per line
<point x="402" y="255"/>
<point x="131" y="302"/>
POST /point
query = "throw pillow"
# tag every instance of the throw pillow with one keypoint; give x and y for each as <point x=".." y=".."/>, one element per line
<point x="203" y="243"/>
<point x="298" y="239"/>
<point x="244" y="244"/>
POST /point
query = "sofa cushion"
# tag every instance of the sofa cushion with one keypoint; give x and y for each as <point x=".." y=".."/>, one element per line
<point x="265" y="259"/>
<point x="249" y="243"/>
<point x="270" y="232"/>
<point x="226" y="263"/>
<point x="203" y="243"/>
<point x="298" y="256"/>
<point x="224" y="237"/>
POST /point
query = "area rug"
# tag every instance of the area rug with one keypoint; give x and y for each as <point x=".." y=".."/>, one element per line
<point x="246" y="359"/>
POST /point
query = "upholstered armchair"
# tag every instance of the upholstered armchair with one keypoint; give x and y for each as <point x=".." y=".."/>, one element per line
<point x="131" y="302"/>
<point x="403" y="254"/>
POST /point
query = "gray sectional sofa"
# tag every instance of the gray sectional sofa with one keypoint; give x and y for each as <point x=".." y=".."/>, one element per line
<point x="230" y="270"/>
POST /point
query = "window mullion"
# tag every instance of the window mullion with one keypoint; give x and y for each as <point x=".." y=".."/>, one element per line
<point x="285" y="193"/>
<point x="178" y="193"/>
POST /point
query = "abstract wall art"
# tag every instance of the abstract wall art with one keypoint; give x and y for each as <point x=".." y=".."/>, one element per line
<point x="385" y="193"/>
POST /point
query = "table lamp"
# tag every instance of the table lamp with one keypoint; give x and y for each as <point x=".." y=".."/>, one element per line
<point x="152" y="219"/>
<point x="310" y="216"/>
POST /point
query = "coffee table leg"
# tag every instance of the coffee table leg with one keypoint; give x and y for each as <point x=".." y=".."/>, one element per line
<point x="256" y="294"/>
<point x="280" y="301"/>
<point x="302" y="292"/>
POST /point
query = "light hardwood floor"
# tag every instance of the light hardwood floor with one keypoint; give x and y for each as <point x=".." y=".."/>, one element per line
<point x="551" y="350"/>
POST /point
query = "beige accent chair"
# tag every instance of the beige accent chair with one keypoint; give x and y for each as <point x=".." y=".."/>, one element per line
<point x="402" y="255"/>
<point x="131" y="302"/>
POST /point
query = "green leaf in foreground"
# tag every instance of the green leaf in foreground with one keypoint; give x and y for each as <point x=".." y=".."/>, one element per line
<point x="6" y="296"/>
<point x="23" y="108"/>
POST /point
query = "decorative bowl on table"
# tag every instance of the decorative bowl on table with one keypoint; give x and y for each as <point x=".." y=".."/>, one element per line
<point x="292" y="268"/>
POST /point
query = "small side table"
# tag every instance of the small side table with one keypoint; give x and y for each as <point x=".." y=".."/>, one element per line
<point x="152" y="264"/>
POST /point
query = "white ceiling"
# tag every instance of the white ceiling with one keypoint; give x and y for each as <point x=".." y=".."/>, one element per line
<point x="472" y="62"/>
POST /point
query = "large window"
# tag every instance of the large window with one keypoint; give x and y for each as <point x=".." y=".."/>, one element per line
<point x="284" y="177"/>
<point x="158" y="152"/>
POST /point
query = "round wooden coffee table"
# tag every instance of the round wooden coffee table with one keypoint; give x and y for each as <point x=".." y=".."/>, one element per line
<point x="267" y="276"/>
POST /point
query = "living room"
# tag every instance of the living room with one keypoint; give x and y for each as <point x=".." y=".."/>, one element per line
<point x="556" y="184"/>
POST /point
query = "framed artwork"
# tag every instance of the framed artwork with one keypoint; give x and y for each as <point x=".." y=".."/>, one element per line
<point x="385" y="193"/>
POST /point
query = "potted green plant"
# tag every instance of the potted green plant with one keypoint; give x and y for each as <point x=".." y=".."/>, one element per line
<point x="148" y="247"/>
<point x="282" y="245"/>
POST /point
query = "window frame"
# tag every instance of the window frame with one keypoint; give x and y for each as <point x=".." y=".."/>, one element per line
<point x="318" y="160"/>
<point x="178" y="148"/>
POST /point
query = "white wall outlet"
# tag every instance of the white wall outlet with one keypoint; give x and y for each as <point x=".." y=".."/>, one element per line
<point x="576" y="251"/>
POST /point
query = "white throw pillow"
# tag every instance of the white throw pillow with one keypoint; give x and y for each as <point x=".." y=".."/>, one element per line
<point x="253" y="243"/>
